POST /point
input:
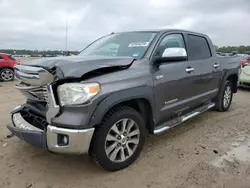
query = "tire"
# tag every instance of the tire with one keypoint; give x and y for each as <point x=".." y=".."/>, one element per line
<point x="105" y="138"/>
<point x="223" y="95"/>
<point x="6" y="75"/>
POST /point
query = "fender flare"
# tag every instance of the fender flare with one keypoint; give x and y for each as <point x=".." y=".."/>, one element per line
<point x="229" y="73"/>
<point x="143" y="92"/>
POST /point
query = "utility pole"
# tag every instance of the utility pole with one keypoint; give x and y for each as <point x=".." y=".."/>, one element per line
<point x="66" y="37"/>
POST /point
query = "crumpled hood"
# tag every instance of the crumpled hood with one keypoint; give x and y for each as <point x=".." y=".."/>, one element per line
<point x="77" y="66"/>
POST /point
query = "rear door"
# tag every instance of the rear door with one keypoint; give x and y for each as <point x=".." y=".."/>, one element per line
<point x="207" y="69"/>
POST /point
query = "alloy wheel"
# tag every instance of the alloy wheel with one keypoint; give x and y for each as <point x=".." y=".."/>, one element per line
<point x="227" y="96"/>
<point x="7" y="75"/>
<point x="122" y="140"/>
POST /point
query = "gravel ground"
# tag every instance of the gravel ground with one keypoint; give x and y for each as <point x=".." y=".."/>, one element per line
<point x="212" y="150"/>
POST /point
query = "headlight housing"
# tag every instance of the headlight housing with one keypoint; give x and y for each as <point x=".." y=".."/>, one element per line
<point x="77" y="93"/>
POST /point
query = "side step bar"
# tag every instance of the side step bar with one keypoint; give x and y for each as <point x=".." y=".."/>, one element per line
<point x="170" y="124"/>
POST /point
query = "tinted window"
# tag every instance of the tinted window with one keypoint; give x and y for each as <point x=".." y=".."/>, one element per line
<point x="170" y="41"/>
<point x="198" y="47"/>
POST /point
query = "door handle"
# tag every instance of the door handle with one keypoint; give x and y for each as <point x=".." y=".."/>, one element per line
<point x="216" y="65"/>
<point x="189" y="69"/>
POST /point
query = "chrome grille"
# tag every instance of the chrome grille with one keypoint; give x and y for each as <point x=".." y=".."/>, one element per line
<point x="34" y="81"/>
<point x="36" y="85"/>
<point x="35" y="76"/>
<point x="38" y="93"/>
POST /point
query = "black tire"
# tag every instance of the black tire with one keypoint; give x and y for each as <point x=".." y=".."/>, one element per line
<point x="220" y="105"/>
<point x="98" y="144"/>
<point x="4" y="78"/>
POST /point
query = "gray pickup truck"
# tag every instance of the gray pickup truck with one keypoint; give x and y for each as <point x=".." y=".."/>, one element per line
<point x="120" y="88"/>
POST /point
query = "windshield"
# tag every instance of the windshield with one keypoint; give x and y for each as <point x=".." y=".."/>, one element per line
<point x="132" y="44"/>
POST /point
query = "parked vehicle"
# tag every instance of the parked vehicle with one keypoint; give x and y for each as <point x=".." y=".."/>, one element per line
<point x="120" y="88"/>
<point x="245" y="73"/>
<point x="7" y="63"/>
<point x="245" y="60"/>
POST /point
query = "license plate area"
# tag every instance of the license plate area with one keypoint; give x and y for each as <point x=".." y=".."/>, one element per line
<point x="19" y="122"/>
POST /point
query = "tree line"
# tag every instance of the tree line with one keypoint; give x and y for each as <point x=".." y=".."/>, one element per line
<point x="37" y="52"/>
<point x="229" y="49"/>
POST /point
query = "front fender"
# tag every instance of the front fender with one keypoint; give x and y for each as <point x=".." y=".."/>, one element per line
<point x="142" y="92"/>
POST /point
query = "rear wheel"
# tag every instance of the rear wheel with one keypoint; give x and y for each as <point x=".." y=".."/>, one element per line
<point x="6" y="74"/>
<point x="225" y="97"/>
<point x="118" y="141"/>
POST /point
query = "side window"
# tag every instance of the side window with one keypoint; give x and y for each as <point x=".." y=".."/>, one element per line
<point x="199" y="48"/>
<point x="1" y="58"/>
<point x="170" y="41"/>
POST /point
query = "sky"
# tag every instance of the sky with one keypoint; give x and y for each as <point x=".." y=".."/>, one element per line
<point x="41" y="24"/>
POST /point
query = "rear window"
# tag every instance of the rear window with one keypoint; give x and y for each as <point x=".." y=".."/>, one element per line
<point x="199" y="47"/>
<point x="12" y="58"/>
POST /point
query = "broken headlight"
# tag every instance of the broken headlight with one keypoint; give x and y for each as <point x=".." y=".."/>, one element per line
<point x="77" y="93"/>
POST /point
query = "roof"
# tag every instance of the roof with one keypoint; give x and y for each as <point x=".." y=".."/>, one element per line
<point x="161" y="31"/>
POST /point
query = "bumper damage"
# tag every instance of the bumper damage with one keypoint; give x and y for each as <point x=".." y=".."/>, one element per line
<point x="52" y="138"/>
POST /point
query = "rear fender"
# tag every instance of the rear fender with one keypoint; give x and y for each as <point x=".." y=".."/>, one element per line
<point x="227" y="75"/>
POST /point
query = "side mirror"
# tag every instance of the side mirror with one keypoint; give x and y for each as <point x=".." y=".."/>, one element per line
<point x="172" y="54"/>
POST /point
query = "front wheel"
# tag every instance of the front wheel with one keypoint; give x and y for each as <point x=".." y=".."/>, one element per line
<point x="118" y="141"/>
<point x="6" y="74"/>
<point x="225" y="97"/>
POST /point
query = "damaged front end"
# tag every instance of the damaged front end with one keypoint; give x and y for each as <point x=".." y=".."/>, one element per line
<point x="31" y="121"/>
<point x="36" y="85"/>
<point x="49" y="121"/>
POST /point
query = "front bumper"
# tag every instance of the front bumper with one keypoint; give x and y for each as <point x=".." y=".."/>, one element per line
<point x="78" y="141"/>
<point x="244" y="83"/>
<point x="55" y="139"/>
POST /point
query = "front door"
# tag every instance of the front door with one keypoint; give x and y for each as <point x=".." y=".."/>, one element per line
<point x="173" y="81"/>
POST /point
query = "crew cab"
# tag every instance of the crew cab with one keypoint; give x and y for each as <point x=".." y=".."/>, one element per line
<point x="120" y="88"/>
<point x="7" y="63"/>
